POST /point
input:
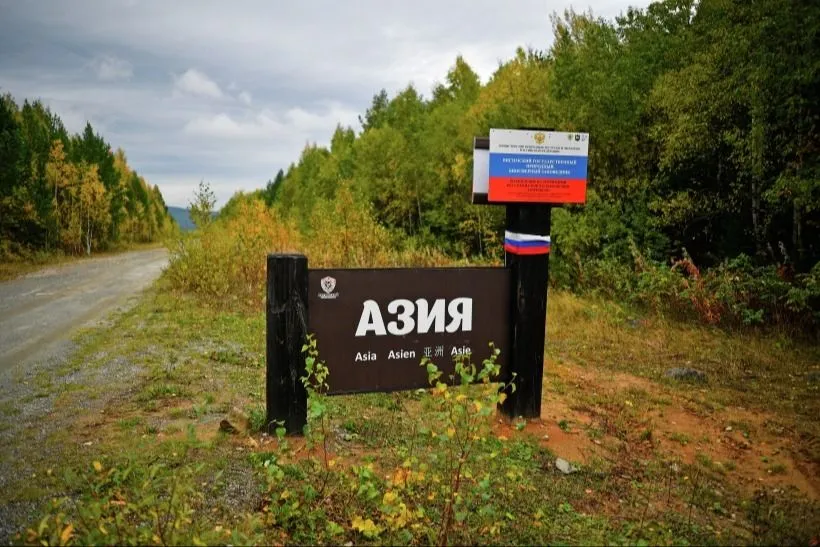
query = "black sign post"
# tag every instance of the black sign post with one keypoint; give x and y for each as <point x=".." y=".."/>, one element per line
<point x="286" y="318"/>
<point x="528" y="312"/>
<point x="529" y="171"/>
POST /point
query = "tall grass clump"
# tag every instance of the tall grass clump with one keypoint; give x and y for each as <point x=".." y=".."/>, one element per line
<point x="734" y="293"/>
<point x="224" y="262"/>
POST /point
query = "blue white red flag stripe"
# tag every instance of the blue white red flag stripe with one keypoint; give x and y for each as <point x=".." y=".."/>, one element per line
<point x="526" y="244"/>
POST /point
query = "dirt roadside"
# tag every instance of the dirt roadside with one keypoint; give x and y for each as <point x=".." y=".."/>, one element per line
<point x="39" y="314"/>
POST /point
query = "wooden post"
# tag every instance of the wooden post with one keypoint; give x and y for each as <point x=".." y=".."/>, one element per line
<point x="287" y="320"/>
<point x="528" y="314"/>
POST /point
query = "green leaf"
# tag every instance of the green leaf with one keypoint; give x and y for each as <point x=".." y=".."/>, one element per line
<point x="334" y="529"/>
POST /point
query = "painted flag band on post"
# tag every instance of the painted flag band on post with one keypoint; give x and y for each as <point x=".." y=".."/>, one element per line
<point x="526" y="244"/>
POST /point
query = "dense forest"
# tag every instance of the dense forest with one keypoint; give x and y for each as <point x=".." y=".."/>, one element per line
<point x="704" y="155"/>
<point x="68" y="193"/>
<point x="704" y="135"/>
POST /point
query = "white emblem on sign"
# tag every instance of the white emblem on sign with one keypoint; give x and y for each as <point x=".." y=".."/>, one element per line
<point x="328" y="284"/>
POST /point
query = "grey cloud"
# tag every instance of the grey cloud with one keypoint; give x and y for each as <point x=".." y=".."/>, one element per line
<point x="194" y="82"/>
<point x="231" y="92"/>
<point x="111" y="68"/>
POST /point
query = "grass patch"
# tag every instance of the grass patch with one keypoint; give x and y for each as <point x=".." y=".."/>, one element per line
<point x="9" y="409"/>
<point x="387" y="468"/>
<point x="131" y="423"/>
<point x="161" y="391"/>
<point x="681" y="438"/>
<point x="743" y="369"/>
<point x="777" y="469"/>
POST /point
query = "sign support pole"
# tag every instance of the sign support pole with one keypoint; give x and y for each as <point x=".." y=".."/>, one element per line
<point x="287" y="320"/>
<point x="528" y="312"/>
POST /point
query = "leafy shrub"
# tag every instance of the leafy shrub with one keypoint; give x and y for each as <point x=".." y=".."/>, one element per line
<point x="345" y="233"/>
<point x="445" y="489"/>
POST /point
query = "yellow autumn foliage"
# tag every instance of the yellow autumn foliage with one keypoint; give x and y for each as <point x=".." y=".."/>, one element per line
<point x="225" y="262"/>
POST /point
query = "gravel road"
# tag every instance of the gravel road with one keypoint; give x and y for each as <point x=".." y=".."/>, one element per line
<point x="39" y="311"/>
<point x="38" y="315"/>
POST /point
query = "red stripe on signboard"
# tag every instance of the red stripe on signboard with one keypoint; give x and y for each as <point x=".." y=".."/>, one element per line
<point x="516" y="189"/>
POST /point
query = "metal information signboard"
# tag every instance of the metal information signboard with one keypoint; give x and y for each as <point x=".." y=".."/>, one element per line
<point x="548" y="167"/>
<point x="373" y="326"/>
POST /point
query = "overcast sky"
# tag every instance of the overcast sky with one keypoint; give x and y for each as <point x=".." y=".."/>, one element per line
<point x="230" y="92"/>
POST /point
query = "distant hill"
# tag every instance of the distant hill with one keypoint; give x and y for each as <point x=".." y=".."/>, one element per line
<point x="183" y="218"/>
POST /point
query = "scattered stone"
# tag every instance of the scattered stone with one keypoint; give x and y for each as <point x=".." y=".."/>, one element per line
<point x="728" y="428"/>
<point x="227" y="427"/>
<point x="239" y="419"/>
<point x="564" y="466"/>
<point x="686" y="373"/>
<point x="546" y="437"/>
<point x="740" y="442"/>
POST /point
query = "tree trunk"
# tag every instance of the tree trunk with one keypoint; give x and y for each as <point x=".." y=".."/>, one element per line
<point x="797" y="235"/>
<point x="755" y="230"/>
<point x="480" y="234"/>
<point x="761" y="246"/>
<point x="79" y="248"/>
<point x="418" y="203"/>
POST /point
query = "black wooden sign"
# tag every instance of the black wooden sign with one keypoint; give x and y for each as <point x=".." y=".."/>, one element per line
<point x="373" y="326"/>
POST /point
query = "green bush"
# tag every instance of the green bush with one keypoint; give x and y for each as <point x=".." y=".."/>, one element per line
<point x="734" y="293"/>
